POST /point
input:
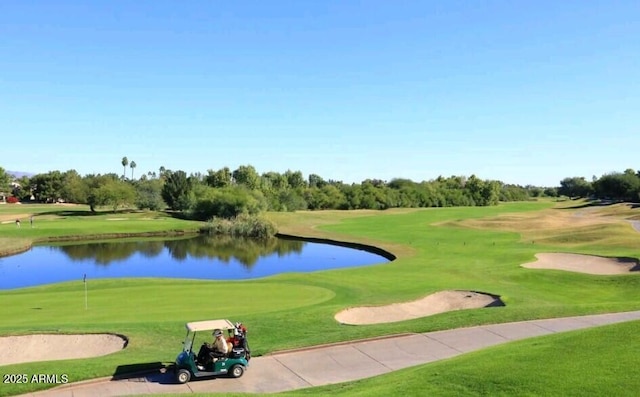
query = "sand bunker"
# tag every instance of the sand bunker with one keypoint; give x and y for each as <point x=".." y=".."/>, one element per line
<point x="48" y="347"/>
<point x="589" y="264"/>
<point x="439" y="302"/>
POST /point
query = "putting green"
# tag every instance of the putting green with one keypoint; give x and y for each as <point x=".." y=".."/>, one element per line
<point x="146" y="300"/>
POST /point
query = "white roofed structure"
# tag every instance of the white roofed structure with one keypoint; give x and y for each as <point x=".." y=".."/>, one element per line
<point x="209" y="325"/>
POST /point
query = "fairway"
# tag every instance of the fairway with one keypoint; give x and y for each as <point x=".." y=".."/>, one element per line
<point x="435" y="165"/>
<point x="436" y="251"/>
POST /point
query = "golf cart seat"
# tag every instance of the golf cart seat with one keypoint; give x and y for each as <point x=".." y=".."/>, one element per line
<point x="237" y="352"/>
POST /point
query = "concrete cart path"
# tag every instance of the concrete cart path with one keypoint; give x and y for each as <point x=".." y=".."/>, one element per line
<point x="329" y="364"/>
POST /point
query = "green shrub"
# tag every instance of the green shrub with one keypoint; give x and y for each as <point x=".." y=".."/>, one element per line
<point x="243" y="225"/>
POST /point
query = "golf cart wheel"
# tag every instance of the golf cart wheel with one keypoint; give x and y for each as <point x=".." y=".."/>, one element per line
<point x="237" y="371"/>
<point x="183" y="376"/>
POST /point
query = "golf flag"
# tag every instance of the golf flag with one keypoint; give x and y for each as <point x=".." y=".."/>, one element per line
<point x="86" y="299"/>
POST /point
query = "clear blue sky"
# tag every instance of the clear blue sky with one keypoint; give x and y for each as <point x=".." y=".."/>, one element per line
<point x="526" y="92"/>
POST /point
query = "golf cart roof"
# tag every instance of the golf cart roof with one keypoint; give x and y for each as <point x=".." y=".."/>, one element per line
<point x="209" y="325"/>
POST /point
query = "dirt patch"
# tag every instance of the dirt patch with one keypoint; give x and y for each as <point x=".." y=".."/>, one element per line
<point x="546" y="220"/>
<point x="589" y="264"/>
<point x="438" y="302"/>
<point x="49" y="347"/>
<point x="11" y="218"/>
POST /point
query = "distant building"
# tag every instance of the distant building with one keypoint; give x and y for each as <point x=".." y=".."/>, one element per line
<point x="13" y="186"/>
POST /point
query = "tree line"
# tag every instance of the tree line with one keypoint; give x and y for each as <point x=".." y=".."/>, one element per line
<point x="226" y="193"/>
<point x="615" y="186"/>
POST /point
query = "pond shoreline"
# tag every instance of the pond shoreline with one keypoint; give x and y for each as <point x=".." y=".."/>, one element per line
<point x="16" y="250"/>
<point x="89" y="237"/>
<point x="190" y="256"/>
<point x="364" y="247"/>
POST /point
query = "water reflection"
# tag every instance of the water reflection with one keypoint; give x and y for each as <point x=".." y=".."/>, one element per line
<point x="105" y="253"/>
<point x="223" y="248"/>
<point x="202" y="257"/>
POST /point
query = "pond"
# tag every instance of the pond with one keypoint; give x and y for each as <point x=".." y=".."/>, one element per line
<point x="201" y="257"/>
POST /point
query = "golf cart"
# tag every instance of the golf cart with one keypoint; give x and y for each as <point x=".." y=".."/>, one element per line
<point x="205" y="363"/>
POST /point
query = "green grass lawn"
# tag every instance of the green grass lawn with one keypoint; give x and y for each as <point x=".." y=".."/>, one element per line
<point x="435" y="252"/>
<point x="579" y="363"/>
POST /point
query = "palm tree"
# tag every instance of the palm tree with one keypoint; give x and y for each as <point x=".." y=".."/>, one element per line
<point x="125" y="163"/>
<point x="132" y="165"/>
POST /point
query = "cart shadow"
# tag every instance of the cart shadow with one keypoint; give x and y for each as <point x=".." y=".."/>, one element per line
<point x="168" y="377"/>
<point x="162" y="377"/>
<point x="156" y="372"/>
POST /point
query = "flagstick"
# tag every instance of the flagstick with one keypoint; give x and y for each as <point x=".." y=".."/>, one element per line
<point x="86" y="302"/>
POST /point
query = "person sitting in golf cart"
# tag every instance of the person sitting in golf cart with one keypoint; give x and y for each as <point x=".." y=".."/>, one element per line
<point x="217" y="349"/>
<point x="220" y="347"/>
